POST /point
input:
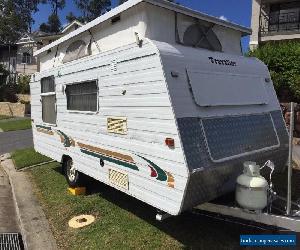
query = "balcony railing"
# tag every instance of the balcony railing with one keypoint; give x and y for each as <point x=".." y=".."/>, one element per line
<point x="275" y="23"/>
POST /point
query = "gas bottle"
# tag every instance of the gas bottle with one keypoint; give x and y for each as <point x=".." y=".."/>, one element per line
<point x="251" y="189"/>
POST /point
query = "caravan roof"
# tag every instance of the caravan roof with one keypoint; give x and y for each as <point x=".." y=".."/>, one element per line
<point x="161" y="3"/>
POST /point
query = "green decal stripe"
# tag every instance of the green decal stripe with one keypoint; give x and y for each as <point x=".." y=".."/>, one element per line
<point x="67" y="142"/>
<point x="43" y="127"/>
<point x="103" y="157"/>
<point x="161" y="175"/>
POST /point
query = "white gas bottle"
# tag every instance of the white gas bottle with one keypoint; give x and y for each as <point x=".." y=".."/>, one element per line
<point x="251" y="189"/>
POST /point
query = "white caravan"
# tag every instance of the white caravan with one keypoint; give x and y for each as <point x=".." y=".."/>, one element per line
<point x="158" y="101"/>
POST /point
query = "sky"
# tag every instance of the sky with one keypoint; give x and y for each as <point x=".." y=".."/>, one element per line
<point x="237" y="11"/>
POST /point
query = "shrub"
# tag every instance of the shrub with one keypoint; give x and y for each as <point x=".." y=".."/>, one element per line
<point x="24" y="102"/>
<point x="8" y="93"/>
<point x="23" y="84"/>
<point x="3" y="75"/>
<point x="7" y="90"/>
<point x="282" y="59"/>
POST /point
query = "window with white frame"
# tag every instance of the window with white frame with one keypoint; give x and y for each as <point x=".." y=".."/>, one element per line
<point x="48" y="97"/>
<point x="82" y="96"/>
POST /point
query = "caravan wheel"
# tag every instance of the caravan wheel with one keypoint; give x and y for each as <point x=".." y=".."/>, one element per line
<point x="74" y="178"/>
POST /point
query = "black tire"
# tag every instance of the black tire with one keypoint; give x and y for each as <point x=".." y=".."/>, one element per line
<point x="73" y="177"/>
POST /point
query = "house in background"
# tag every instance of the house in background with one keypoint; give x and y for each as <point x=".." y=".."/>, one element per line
<point x="18" y="58"/>
<point x="274" y="20"/>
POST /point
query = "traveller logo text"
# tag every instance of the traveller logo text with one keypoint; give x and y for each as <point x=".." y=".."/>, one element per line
<point x="222" y="62"/>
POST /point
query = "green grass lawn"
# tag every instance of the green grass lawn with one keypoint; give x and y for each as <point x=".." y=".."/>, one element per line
<point x="4" y="117"/>
<point x="12" y="125"/>
<point x="123" y="222"/>
<point x="27" y="157"/>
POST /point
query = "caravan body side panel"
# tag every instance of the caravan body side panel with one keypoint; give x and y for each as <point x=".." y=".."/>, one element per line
<point x="156" y="173"/>
<point x="222" y="121"/>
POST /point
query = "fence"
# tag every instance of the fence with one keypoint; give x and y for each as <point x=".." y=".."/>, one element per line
<point x="14" y="109"/>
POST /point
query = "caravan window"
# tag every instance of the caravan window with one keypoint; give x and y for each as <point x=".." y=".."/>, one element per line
<point x="47" y="84"/>
<point x="82" y="96"/>
<point x="48" y="98"/>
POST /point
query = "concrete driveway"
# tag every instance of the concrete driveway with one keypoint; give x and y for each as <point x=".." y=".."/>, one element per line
<point x="10" y="141"/>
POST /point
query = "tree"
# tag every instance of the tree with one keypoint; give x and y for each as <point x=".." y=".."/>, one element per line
<point x="15" y="18"/>
<point x="282" y="59"/>
<point x="123" y="1"/>
<point x="92" y="9"/>
<point x="45" y="27"/>
<point x="57" y="5"/>
<point x="71" y="17"/>
<point x="53" y="25"/>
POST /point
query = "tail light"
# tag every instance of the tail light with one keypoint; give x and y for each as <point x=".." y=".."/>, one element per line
<point x="170" y="142"/>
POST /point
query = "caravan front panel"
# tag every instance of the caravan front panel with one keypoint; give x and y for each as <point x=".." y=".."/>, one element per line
<point x="226" y="113"/>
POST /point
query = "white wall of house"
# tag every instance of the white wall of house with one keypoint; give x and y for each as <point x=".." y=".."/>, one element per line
<point x="255" y="23"/>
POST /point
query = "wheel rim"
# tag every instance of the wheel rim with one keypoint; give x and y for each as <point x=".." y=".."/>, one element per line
<point x="71" y="171"/>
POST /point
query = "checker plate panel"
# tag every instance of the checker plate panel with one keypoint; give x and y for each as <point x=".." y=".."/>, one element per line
<point x="229" y="137"/>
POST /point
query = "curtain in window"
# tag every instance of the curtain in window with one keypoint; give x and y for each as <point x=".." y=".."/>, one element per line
<point x="48" y="109"/>
<point x="47" y="84"/>
<point x="82" y="96"/>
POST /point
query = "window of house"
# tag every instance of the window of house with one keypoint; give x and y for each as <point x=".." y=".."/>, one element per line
<point x="26" y="58"/>
<point x="82" y="96"/>
<point x="48" y="98"/>
<point x="284" y="16"/>
<point x="76" y="50"/>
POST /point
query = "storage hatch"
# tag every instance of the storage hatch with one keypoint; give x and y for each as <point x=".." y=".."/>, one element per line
<point x="226" y="89"/>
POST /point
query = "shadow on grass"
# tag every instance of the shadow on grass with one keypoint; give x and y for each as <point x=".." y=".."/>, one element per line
<point x="194" y="230"/>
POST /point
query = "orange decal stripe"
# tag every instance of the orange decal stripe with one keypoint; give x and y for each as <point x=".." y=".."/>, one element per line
<point x="171" y="181"/>
<point x="109" y="153"/>
<point x="44" y="131"/>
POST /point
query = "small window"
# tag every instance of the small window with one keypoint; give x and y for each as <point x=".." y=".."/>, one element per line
<point x="75" y="51"/>
<point x="82" y="96"/>
<point x="26" y="58"/>
<point x="47" y="84"/>
<point x="48" y="98"/>
<point x="48" y="109"/>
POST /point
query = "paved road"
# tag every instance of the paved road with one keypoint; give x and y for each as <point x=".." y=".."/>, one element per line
<point x="8" y="218"/>
<point x="10" y="141"/>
